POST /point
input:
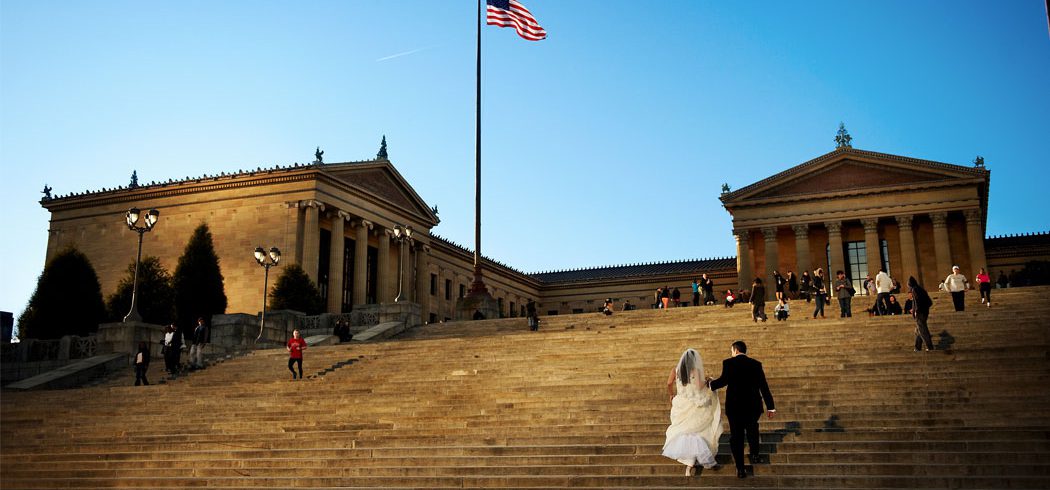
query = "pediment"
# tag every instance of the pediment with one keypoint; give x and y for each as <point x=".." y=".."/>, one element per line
<point x="383" y="181"/>
<point x="848" y="170"/>
<point x="847" y="175"/>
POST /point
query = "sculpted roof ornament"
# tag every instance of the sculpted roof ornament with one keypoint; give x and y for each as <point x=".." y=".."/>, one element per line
<point x="978" y="162"/>
<point x="47" y="193"/>
<point x="842" y="138"/>
<point x="382" y="155"/>
<point x="134" y="180"/>
<point x="318" y="156"/>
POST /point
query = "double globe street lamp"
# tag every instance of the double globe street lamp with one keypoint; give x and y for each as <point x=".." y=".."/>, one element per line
<point x="402" y="234"/>
<point x="266" y="260"/>
<point x="149" y="221"/>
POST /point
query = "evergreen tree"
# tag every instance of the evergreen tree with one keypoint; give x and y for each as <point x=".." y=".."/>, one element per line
<point x="67" y="300"/>
<point x="294" y="290"/>
<point x="156" y="301"/>
<point x="197" y="282"/>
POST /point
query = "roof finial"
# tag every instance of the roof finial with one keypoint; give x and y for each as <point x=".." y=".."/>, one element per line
<point x="382" y="155"/>
<point x="134" y="179"/>
<point x="978" y="162"/>
<point x="47" y="193"/>
<point x="725" y="188"/>
<point x="319" y="156"/>
<point x="843" y="139"/>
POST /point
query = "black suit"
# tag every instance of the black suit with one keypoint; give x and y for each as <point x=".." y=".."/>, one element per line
<point x="747" y="389"/>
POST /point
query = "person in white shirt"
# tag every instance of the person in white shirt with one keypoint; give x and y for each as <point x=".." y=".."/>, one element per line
<point x="956" y="284"/>
<point x="883" y="288"/>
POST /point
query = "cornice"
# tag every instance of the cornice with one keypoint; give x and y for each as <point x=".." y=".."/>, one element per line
<point x="856" y="192"/>
<point x="178" y="188"/>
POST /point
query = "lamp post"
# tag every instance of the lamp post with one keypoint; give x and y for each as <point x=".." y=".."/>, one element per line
<point x="402" y="234"/>
<point x="266" y="260"/>
<point x="149" y="221"/>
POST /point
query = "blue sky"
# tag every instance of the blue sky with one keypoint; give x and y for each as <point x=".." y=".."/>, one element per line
<point x="606" y="143"/>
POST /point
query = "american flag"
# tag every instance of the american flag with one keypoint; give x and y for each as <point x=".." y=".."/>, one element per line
<point x="511" y="13"/>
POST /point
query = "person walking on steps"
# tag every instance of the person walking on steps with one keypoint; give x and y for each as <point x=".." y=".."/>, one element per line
<point x="747" y="389"/>
<point x="296" y="345"/>
<point x="956" y="284"/>
<point x="921" y="304"/>
<point x="984" y="285"/>
<point x="758" y="301"/>
<point x="696" y="416"/>
<point x="142" y="364"/>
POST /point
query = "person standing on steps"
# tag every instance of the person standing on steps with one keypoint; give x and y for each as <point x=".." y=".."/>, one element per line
<point x="696" y="416"/>
<point x="200" y="336"/>
<point x="708" y="287"/>
<point x="805" y="286"/>
<point x="696" y="293"/>
<point x="296" y="345"/>
<point x="142" y="364"/>
<point x="844" y="292"/>
<point x="957" y="284"/>
<point x="530" y="313"/>
<point x="819" y="293"/>
<point x="921" y="311"/>
<point x="747" y="389"/>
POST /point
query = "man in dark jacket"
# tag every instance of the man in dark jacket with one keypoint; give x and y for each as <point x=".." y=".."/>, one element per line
<point x="921" y="304"/>
<point x="747" y="389"/>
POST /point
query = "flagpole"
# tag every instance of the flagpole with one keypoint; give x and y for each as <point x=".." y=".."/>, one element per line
<point x="477" y="288"/>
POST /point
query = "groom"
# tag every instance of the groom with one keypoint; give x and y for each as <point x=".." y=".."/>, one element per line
<point x="747" y="388"/>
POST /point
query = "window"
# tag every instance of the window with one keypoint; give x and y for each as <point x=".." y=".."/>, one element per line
<point x="433" y="284"/>
<point x="448" y="289"/>
<point x="462" y="291"/>
<point x="856" y="264"/>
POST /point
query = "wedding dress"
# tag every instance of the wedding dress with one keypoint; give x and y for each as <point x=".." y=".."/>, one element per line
<point x="696" y="416"/>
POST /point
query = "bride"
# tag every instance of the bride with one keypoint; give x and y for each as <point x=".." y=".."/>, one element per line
<point x="696" y="416"/>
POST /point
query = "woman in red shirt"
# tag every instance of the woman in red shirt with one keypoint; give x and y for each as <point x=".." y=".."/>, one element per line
<point x="296" y="345"/>
<point x="984" y="283"/>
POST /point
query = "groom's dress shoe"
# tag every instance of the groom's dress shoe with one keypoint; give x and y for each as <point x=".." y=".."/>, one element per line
<point x="741" y="474"/>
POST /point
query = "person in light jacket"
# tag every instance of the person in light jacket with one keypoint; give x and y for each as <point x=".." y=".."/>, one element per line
<point x="956" y="284"/>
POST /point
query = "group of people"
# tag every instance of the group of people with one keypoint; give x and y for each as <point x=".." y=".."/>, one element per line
<point x="696" y="415"/>
<point x="171" y="346"/>
<point x="671" y="297"/>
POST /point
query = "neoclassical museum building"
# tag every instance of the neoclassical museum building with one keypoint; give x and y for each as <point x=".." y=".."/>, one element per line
<point x="849" y="209"/>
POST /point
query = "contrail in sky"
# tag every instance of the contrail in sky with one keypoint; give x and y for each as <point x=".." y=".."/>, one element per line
<point x="406" y="53"/>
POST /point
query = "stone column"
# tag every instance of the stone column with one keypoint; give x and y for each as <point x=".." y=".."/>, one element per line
<point x="361" y="261"/>
<point x="835" y="249"/>
<point x="311" y="237"/>
<point x="941" y="244"/>
<point x="743" y="258"/>
<point x="335" y="263"/>
<point x="423" y="279"/>
<point x="384" y="276"/>
<point x="909" y="265"/>
<point x="975" y="237"/>
<point x="801" y="248"/>
<point x="292" y="247"/>
<point x="871" y="245"/>
<point x="772" y="259"/>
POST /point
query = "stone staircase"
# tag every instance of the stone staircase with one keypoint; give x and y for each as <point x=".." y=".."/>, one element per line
<point x="581" y="403"/>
